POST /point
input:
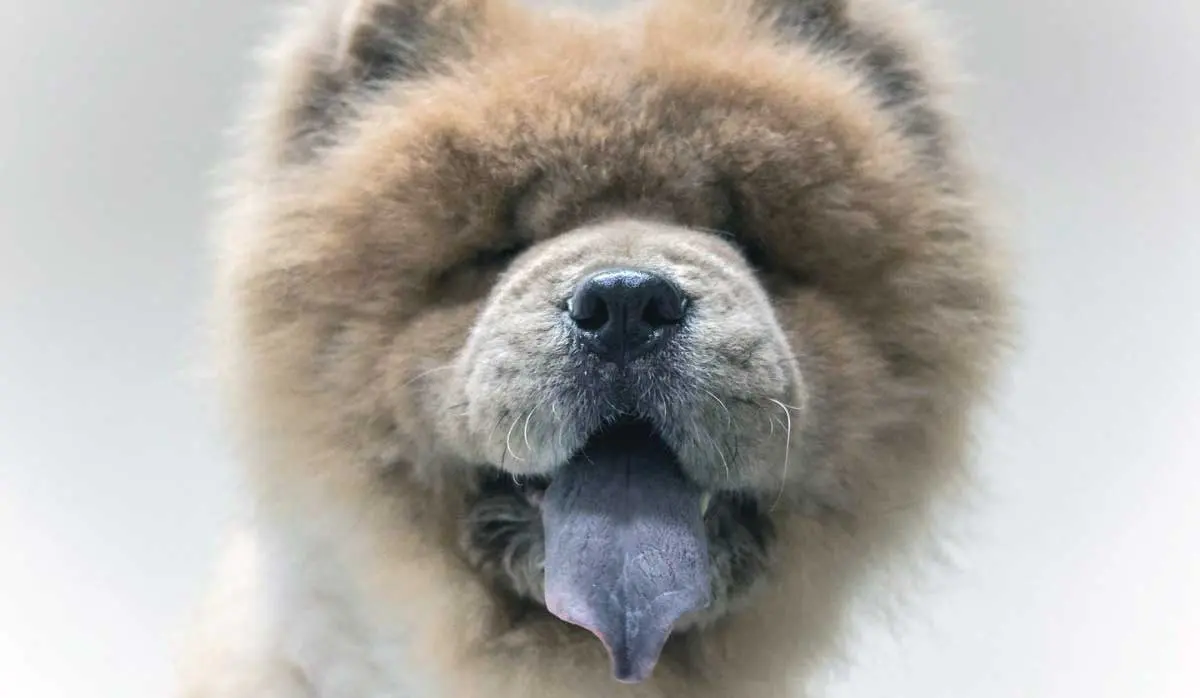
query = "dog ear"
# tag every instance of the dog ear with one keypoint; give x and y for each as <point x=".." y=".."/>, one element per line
<point x="379" y="40"/>
<point x="808" y="18"/>
<point x="871" y="40"/>
<point x="338" y="52"/>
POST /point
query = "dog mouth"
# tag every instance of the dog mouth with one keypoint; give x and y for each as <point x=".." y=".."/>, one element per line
<point x="626" y="554"/>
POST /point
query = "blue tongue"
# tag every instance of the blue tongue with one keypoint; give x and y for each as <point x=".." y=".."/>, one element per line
<point x="626" y="552"/>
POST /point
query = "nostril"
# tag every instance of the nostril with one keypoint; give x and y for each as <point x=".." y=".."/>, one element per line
<point x="589" y="312"/>
<point x="665" y="308"/>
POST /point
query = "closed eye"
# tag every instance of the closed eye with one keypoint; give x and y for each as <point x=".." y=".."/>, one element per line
<point x="739" y="231"/>
<point x="751" y="251"/>
<point x="470" y="279"/>
<point x="734" y="230"/>
<point x="498" y="257"/>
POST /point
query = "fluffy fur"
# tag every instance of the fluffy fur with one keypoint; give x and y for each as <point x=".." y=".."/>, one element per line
<point x="422" y="181"/>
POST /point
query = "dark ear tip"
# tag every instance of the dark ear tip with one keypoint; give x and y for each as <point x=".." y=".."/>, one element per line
<point x="345" y="47"/>
<point x="369" y="32"/>
<point x="798" y="13"/>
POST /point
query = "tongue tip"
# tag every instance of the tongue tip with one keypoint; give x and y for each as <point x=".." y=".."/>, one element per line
<point x="633" y="666"/>
<point x="631" y="677"/>
<point x="629" y="664"/>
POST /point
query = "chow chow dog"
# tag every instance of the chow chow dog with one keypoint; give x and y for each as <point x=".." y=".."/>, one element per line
<point x="576" y="354"/>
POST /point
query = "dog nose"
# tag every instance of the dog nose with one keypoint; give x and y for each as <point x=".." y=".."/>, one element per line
<point x="622" y="314"/>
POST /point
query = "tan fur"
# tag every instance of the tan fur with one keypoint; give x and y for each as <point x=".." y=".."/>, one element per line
<point x="369" y="367"/>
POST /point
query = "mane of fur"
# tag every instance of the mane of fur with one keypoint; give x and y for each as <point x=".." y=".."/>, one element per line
<point x="381" y="150"/>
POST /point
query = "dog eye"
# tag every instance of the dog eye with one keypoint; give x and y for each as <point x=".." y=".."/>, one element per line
<point x="471" y="277"/>
<point x="752" y="252"/>
<point x="736" y="230"/>
<point x="497" y="257"/>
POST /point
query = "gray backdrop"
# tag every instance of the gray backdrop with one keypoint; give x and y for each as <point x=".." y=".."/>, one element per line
<point x="1079" y="577"/>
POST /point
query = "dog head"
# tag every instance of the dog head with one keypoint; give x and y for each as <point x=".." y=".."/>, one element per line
<point x="628" y="294"/>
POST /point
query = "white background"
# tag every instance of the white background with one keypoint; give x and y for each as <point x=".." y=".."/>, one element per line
<point x="1080" y="575"/>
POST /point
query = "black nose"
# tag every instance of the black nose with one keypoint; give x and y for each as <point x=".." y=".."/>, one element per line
<point x="625" y="313"/>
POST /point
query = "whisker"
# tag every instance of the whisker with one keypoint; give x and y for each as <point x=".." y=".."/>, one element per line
<point x="422" y="374"/>
<point x="508" y="439"/>
<point x="728" y="414"/>
<point x="723" y="234"/>
<point x="499" y="421"/>
<point x="732" y="433"/>
<point x="525" y="430"/>
<point x="787" y="453"/>
<point x="721" y="453"/>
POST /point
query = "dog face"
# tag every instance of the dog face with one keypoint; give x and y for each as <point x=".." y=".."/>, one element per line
<point x="629" y="320"/>
<point x="610" y="305"/>
<point x="610" y="318"/>
<point x="625" y="331"/>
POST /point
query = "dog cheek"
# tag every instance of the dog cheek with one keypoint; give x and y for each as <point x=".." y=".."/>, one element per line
<point x="508" y="366"/>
